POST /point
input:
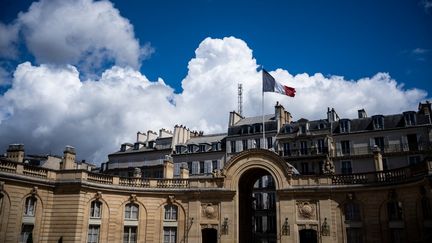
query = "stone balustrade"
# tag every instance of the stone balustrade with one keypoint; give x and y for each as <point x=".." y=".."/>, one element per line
<point x="382" y="177"/>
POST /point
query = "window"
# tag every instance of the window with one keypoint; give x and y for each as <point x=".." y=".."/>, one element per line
<point x="397" y="235"/>
<point x="190" y="148"/>
<point x="245" y="144"/>
<point x="30" y="206"/>
<point x="26" y="232"/>
<point x="95" y="209"/>
<point x="426" y="207"/>
<point x="202" y="148"/>
<point x="270" y="142"/>
<point x="257" y="143"/>
<point x="303" y="148"/>
<point x="321" y="148"/>
<point x="233" y="146"/>
<point x="93" y="234"/>
<point x="170" y="213"/>
<point x="379" y="142"/>
<point x="385" y="163"/>
<point x="412" y="142"/>
<point x="378" y="122"/>
<point x="215" y="165"/>
<point x="410" y="119"/>
<point x="131" y="211"/>
<point x="345" y="125"/>
<point x="354" y="235"/>
<point x="201" y="167"/>
<point x="189" y="164"/>
<point x="136" y="146"/>
<point x="394" y="210"/>
<point x="303" y="129"/>
<point x="130" y="234"/>
<point x="178" y="149"/>
<point x="346" y="167"/>
<point x="352" y="211"/>
<point x="413" y="160"/>
<point x="305" y="168"/>
<point x="215" y="146"/>
<point x="170" y="235"/>
<point x="345" y="144"/>
<point x="286" y="149"/>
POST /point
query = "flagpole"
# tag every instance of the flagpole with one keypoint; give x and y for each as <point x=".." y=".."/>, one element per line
<point x="262" y="111"/>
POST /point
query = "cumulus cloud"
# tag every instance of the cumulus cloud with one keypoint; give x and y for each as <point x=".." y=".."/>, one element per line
<point x="49" y="106"/>
<point x="8" y="40"/>
<point x="84" y="33"/>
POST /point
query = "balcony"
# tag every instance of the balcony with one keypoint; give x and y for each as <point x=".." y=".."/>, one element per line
<point x="320" y="151"/>
<point x="388" y="149"/>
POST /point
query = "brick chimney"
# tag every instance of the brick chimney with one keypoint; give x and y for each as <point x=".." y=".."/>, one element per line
<point x="15" y="152"/>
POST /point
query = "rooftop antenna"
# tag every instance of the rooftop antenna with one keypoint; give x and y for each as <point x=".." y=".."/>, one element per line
<point x="240" y="99"/>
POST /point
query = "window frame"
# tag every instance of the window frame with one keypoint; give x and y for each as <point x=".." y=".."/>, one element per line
<point x="30" y="203"/>
<point x="128" y="209"/>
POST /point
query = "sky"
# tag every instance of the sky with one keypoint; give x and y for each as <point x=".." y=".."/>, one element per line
<point x="92" y="73"/>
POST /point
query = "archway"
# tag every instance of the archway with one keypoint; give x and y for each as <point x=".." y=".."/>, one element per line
<point x="257" y="207"/>
<point x="308" y="236"/>
<point x="209" y="235"/>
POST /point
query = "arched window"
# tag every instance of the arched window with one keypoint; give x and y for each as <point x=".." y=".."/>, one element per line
<point x="170" y="213"/>
<point x="170" y="223"/>
<point x="394" y="210"/>
<point x="30" y="206"/>
<point x="352" y="211"/>
<point x="131" y="211"/>
<point x="95" y="209"/>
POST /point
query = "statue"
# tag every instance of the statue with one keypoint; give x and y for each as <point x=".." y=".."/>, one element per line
<point x="328" y="168"/>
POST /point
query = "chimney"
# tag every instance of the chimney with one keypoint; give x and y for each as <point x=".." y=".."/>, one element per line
<point x="68" y="158"/>
<point x="362" y="113"/>
<point x="282" y="116"/>
<point x="180" y="136"/>
<point x="163" y="133"/>
<point x="234" y="117"/>
<point x="141" y="137"/>
<point x="332" y="116"/>
<point x="15" y="152"/>
<point x="425" y="109"/>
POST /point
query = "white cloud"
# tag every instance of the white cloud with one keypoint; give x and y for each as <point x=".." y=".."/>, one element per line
<point x="83" y="33"/>
<point x="427" y="4"/>
<point x="49" y="106"/>
<point x="8" y="40"/>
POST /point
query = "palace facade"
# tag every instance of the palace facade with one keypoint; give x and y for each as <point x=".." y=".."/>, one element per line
<point x="366" y="179"/>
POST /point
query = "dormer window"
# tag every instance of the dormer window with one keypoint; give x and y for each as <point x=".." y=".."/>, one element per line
<point x="257" y="128"/>
<point x="303" y="129"/>
<point x="151" y="144"/>
<point x="178" y="149"/>
<point x="345" y="125"/>
<point x="215" y="146"/>
<point x="136" y="146"/>
<point x="288" y="129"/>
<point x="123" y="147"/>
<point x="378" y="122"/>
<point x="410" y="118"/>
<point x="245" y="129"/>
<point x="190" y="148"/>
<point x="321" y="126"/>
<point x="202" y="148"/>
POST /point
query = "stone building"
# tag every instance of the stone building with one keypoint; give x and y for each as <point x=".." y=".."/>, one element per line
<point x="251" y="194"/>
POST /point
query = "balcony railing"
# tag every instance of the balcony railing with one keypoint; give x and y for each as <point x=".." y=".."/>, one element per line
<point x="10" y="168"/>
<point x="316" y="151"/>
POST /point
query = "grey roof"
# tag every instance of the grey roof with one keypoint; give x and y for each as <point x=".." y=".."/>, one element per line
<point x="254" y="120"/>
<point x="207" y="139"/>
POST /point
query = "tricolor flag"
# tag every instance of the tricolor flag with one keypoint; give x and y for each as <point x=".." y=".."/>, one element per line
<point x="271" y="85"/>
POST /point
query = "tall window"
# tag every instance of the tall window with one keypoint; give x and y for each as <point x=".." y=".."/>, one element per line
<point x="303" y="148"/>
<point x="321" y="148"/>
<point x="130" y="234"/>
<point x="269" y="142"/>
<point x="379" y="142"/>
<point x="233" y="146"/>
<point x="26" y="232"/>
<point x="215" y="165"/>
<point x="409" y="118"/>
<point x="352" y="211"/>
<point x="93" y="234"/>
<point x="170" y="234"/>
<point x="304" y="168"/>
<point x="170" y="223"/>
<point x="257" y="143"/>
<point x="286" y="149"/>
<point x="30" y="206"/>
<point x="131" y="211"/>
<point x="378" y="122"/>
<point x="245" y="144"/>
<point x="394" y="210"/>
<point x="354" y="235"/>
<point x="170" y="213"/>
<point x="345" y="144"/>
<point x="95" y="209"/>
<point x="346" y="167"/>
<point x="201" y="167"/>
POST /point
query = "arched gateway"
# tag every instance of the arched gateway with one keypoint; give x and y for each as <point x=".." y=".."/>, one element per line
<point x="256" y="175"/>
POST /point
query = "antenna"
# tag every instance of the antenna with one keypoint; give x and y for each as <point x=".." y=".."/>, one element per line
<point x="240" y="99"/>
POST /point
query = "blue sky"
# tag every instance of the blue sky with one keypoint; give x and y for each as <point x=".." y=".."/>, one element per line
<point x="347" y="38"/>
<point x="92" y="73"/>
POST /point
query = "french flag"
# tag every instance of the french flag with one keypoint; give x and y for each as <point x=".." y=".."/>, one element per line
<point x="271" y="85"/>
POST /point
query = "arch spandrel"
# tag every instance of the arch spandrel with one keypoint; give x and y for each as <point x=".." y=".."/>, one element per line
<point x="257" y="158"/>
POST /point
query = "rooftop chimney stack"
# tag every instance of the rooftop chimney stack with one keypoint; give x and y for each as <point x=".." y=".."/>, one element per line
<point x="15" y="152"/>
<point x="68" y="158"/>
<point x="362" y="113"/>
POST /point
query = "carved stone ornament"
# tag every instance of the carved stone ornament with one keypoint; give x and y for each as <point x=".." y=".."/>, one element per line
<point x="171" y="199"/>
<point x="328" y="168"/>
<point x="98" y="195"/>
<point x="325" y="228"/>
<point x="218" y="174"/>
<point x="34" y="191"/>
<point x="209" y="210"/>
<point x="306" y="210"/>
<point x="133" y="198"/>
